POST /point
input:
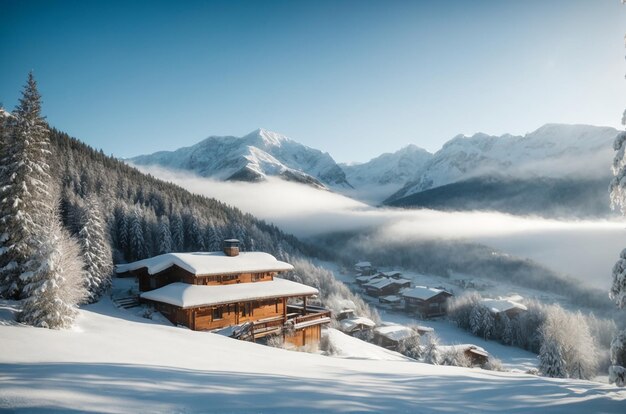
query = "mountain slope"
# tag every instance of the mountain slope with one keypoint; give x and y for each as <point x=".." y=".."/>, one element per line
<point x="554" y="150"/>
<point x="375" y="180"/>
<point x="118" y="363"/>
<point x="544" y="196"/>
<point x="253" y="157"/>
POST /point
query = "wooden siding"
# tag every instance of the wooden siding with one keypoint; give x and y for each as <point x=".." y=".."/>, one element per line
<point x="435" y="306"/>
<point x="176" y="274"/>
<point x="306" y="336"/>
<point x="234" y="314"/>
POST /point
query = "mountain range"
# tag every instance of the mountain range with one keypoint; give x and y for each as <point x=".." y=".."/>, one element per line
<point x="558" y="169"/>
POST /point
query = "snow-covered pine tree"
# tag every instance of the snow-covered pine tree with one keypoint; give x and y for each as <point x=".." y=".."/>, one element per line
<point x="487" y="323"/>
<point x="551" y="359"/>
<point x="431" y="349"/>
<point x="25" y="195"/>
<point x="506" y="329"/>
<point x="54" y="286"/>
<point x="617" y="371"/>
<point x="137" y="243"/>
<point x="617" y="191"/>
<point x="476" y="319"/>
<point x="96" y="250"/>
<point x="178" y="233"/>
<point x="165" y="235"/>
<point x="212" y="237"/>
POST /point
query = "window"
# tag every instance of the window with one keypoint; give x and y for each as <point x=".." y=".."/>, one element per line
<point x="217" y="313"/>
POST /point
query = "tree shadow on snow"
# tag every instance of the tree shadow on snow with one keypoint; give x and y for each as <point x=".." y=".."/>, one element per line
<point x="138" y="388"/>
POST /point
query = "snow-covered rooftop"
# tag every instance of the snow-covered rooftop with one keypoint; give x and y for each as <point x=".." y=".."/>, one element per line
<point x="464" y="347"/>
<point x="348" y="325"/>
<point x="209" y="263"/>
<point x="395" y="332"/>
<point x="502" y="305"/>
<point x="380" y="283"/>
<point x="363" y="264"/>
<point x="391" y="298"/>
<point x="421" y="292"/>
<point x="189" y="296"/>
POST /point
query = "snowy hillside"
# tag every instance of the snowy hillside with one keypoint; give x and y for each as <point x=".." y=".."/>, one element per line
<point x="376" y="179"/>
<point x="253" y="157"/>
<point x="115" y="362"/>
<point x="554" y="150"/>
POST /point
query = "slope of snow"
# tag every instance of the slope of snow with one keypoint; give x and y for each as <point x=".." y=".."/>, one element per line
<point x="554" y="150"/>
<point x="209" y="263"/>
<point x="253" y="157"/>
<point x="114" y="362"/>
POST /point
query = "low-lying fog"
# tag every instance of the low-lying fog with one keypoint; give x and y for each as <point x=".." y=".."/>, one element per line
<point x="583" y="249"/>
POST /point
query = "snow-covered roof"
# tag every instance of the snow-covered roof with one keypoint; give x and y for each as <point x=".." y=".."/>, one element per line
<point x="209" y="263"/>
<point x="391" y="273"/>
<point x="422" y="292"/>
<point x="502" y="305"/>
<point x="190" y="296"/>
<point x="464" y="347"/>
<point x="395" y="332"/>
<point x="379" y="284"/>
<point x="348" y="325"/>
<point x="363" y="264"/>
<point x="424" y="329"/>
<point x="367" y="278"/>
<point x="391" y="298"/>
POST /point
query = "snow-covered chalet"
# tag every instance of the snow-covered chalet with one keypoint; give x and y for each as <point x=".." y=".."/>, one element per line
<point x="215" y="290"/>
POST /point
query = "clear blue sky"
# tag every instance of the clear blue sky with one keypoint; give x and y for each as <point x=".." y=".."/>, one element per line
<point x="354" y="78"/>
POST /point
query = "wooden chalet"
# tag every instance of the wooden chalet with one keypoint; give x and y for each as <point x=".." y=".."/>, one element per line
<point x="207" y="291"/>
<point x="390" y="336"/>
<point x="478" y="356"/>
<point x="356" y="324"/>
<point x="364" y="268"/>
<point x="386" y="286"/>
<point x="427" y="302"/>
<point x="506" y="307"/>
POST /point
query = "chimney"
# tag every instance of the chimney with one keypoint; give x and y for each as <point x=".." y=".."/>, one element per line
<point x="231" y="247"/>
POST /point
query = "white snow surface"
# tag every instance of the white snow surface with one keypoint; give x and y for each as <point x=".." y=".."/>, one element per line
<point x="114" y="362"/>
<point x="189" y="296"/>
<point x="209" y="263"/>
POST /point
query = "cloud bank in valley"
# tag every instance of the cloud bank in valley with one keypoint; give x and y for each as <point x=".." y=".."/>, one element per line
<point x="585" y="249"/>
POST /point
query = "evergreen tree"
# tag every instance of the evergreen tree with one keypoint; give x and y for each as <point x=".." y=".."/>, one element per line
<point x="96" y="251"/>
<point x="476" y="319"/>
<point x="178" y="233"/>
<point x="25" y="189"/>
<point x="165" y="235"/>
<point x="617" y="372"/>
<point x="506" y="329"/>
<point x="487" y="323"/>
<point x="137" y="243"/>
<point x="54" y="286"/>
<point x="551" y="359"/>
<point x="431" y="349"/>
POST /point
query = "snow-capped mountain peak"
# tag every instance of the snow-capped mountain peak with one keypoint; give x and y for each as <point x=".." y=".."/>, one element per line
<point x="553" y="150"/>
<point x="252" y="157"/>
